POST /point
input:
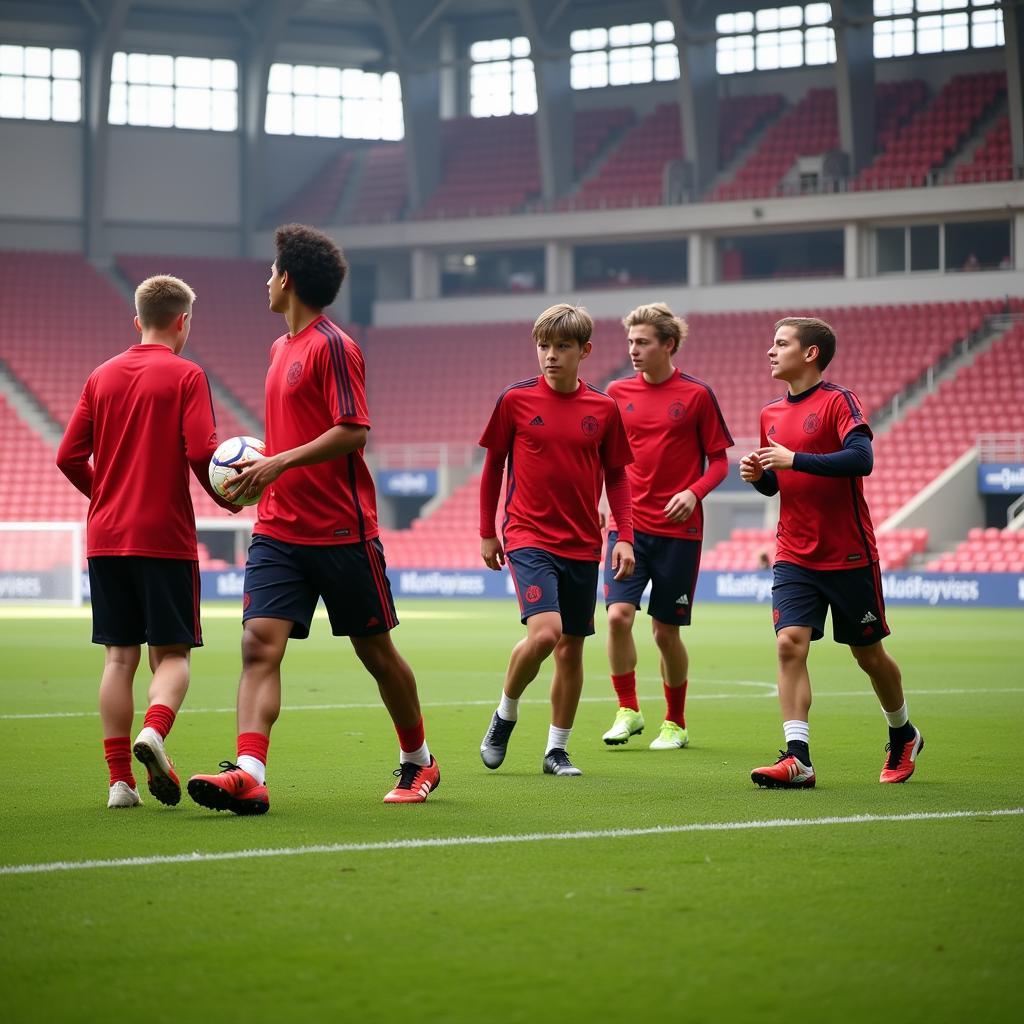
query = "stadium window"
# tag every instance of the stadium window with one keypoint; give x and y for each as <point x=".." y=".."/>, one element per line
<point x="623" y="55"/>
<point x="40" y="84"/>
<point x="333" y="103"/>
<point x="157" y="90"/>
<point x="501" y="78"/>
<point x="775" y="37"/>
<point x="906" y="27"/>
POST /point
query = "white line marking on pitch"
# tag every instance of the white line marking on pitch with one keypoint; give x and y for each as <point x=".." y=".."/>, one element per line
<point x="489" y="702"/>
<point x="528" y="837"/>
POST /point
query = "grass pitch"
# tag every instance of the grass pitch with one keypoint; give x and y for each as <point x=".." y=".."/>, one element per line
<point x="725" y="914"/>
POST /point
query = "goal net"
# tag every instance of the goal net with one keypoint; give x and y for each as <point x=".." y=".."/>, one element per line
<point x="41" y="563"/>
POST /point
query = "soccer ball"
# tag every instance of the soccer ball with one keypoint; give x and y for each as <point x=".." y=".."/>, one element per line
<point x="227" y="456"/>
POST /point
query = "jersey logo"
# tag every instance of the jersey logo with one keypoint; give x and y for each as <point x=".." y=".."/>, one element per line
<point x="212" y="442"/>
<point x="771" y="431"/>
<point x="533" y="594"/>
<point x="853" y="558"/>
<point x="246" y="601"/>
<point x="536" y="422"/>
<point x="629" y="408"/>
<point x="590" y="425"/>
<point x="869" y="618"/>
<point x="294" y="372"/>
<point x="683" y="599"/>
<point x="372" y="621"/>
<point x="676" y="411"/>
<point x="776" y="615"/>
<point x="812" y="423"/>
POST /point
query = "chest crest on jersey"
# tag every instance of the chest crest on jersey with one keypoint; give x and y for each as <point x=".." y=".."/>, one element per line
<point x="589" y="425"/>
<point x="676" y="411"/>
<point x="812" y="423"/>
<point x="294" y="373"/>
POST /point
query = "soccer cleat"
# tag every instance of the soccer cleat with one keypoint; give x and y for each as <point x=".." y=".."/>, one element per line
<point x="122" y="795"/>
<point x="670" y="737"/>
<point x="233" y="789"/>
<point x="788" y="772"/>
<point x="416" y="782"/>
<point x="495" y="743"/>
<point x="556" y="762"/>
<point x="162" y="780"/>
<point x="902" y="759"/>
<point x="627" y="723"/>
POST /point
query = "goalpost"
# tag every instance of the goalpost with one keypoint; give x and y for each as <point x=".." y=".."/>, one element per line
<point x="41" y="563"/>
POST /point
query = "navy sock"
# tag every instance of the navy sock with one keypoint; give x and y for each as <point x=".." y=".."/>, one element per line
<point x="799" y="750"/>
<point x="903" y="734"/>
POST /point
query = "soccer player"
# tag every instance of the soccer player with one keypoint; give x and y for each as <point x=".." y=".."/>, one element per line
<point x="815" y="452"/>
<point x="679" y="439"/>
<point x="145" y="417"/>
<point x="316" y="531"/>
<point x="562" y="439"/>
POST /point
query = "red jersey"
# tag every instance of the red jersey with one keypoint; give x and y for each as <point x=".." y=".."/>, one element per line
<point x="824" y="521"/>
<point x="672" y="427"/>
<point x="145" y="417"/>
<point x="316" y="381"/>
<point x="558" y="447"/>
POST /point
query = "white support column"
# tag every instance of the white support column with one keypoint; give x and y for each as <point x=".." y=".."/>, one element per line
<point x="852" y="262"/>
<point x="426" y="274"/>
<point x="698" y="266"/>
<point x="558" y="268"/>
<point x="1018" y="241"/>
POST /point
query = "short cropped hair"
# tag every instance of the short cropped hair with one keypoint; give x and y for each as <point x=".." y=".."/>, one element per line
<point x="158" y="300"/>
<point x="812" y="331"/>
<point x="315" y="265"/>
<point x="563" y="322"/>
<point x="666" y="324"/>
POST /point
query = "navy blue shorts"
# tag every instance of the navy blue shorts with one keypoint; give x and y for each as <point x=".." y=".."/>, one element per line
<point x="285" y="581"/>
<point x="670" y="564"/>
<point x="547" y="583"/>
<point x="137" y="600"/>
<point x="801" y="597"/>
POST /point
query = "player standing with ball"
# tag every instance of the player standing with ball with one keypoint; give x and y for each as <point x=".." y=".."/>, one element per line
<point x="815" y="452"/>
<point x="145" y="417"/>
<point x="316" y="531"/>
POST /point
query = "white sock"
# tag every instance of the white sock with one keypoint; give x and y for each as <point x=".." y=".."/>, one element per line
<point x="420" y="756"/>
<point x="254" y="766"/>
<point x="508" y="708"/>
<point x="558" y="739"/>
<point x="796" y="730"/>
<point x="898" y="717"/>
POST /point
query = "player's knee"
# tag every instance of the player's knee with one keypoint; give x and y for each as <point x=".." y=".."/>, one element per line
<point x="790" y="648"/>
<point x="545" y="638"/>
<point x="665" y="636"/>
<point x="870" y="658"/>
<point x="259" y="648"/>
<point x="620" y="618"/>
<point x="124" y="657"/>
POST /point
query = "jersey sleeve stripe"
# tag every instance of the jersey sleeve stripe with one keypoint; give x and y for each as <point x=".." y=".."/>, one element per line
<point x="714" y="400"/>
<point x="209" y="395"/>
<point x="336" y="348"/>
<point x="531" y="383"/>
<point x="854" y="411"/>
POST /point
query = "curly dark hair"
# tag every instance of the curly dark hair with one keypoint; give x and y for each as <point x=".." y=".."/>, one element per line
<point x="314" y="263"/>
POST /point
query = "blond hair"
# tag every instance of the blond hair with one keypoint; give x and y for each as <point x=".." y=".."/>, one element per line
<point x="563" y="322"/>
<point x="158" y="300"/>
<point x="666" y="324"/>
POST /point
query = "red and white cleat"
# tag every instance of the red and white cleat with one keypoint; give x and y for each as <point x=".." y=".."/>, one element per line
<point x="902" y="759"/>
<point x="788" y="772"/>
<point x="233" y="789"/>
<point x="416" y="782"/>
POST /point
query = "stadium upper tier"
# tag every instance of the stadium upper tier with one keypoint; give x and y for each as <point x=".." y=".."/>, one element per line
<point x="490" y="166"/>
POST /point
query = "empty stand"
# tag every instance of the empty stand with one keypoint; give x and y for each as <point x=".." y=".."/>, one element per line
<point x="993" y="159"/>
<point x="380" y="193"/>
<point x="317" y="200"/>
<point x="930" y="138"/>
<point x="986" y="549"/>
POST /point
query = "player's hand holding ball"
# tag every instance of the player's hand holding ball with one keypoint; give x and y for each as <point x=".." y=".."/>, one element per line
<point x="228" y="465"/>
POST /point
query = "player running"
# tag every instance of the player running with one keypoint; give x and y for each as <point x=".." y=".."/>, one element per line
<point x="145" y="417"/>
<point x="562" y="439"/>
<point x="815" y="451"/>
<point x="679" y="439"/>
<point x="316" y="531"/>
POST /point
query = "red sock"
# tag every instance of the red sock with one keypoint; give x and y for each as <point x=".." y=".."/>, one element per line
<point x="625" y="688"/>
<point x="410" y="739"/>
<point x="159" y="717"/>
<point x="253" y="744"/>
<point x="118" y="752"/>
<point x="675" y="698"/>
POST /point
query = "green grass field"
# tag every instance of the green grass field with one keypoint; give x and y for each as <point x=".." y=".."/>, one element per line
<point x="905" y="913"/>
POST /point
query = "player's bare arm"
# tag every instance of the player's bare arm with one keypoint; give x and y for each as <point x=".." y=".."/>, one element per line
<point x="751" y="468"/>
<point x="334" y="442"/>
<point x="492" y="553"/>
<point x="680" y="506"/>
<point x="775" y="457"/>
<point x="623" y="560"/>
